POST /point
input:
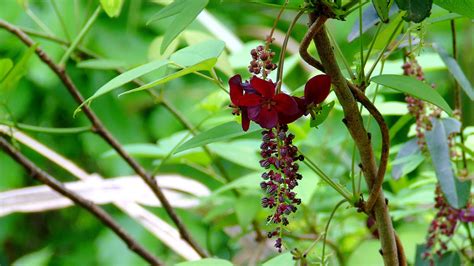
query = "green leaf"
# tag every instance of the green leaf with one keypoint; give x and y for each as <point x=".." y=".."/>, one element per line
<point x="112" y="7"/>
<point x="381" y="6"/>
<point x="204" y="65"/>
<point x="18" y="71"/>
<point x="462" y="7"/>
<point x="124" y="78"/>
<point x="322" y="115"/>
<point x="197" y="53"/>
<point x="247" y="149"/>
<point x="184" y="12"/>
<point x="417" y="10"/>
<point x="247" y="182"/>
<point x="102" y="64"/>
<point x="37" y="258"/>
<point x="456" y="192"/>
<point x="6" y="65"/>
<point x="456" y="71"/>
<point x="413" y="87"/>
<point x="369" y="20"/>
<point x="222" y="132"/>
<point x="170" y="10"/>
<point x="282" y="259"/>
<point x="206" y="262"/>
<point x="246" y="208"/>
<point x="387" y="32"/>
<point x="409" y="157"/>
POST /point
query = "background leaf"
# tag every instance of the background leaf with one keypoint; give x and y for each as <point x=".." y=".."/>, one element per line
<point x="112" y="7"/>
<point x="456" y="71"/>
<point x="457" y="193"/>
<point x="197" y="53"/>
<point x="413" y="87"/>
<point x="222" y="132"/>
<point x="408" y="158"/>
<point x="462" y="7"/>
<point x="322" y="115"/>
<point x="18" y="71"/>
<point x="369" y="20"/>
<point x="206" y="262"/>
<point x="381" y="6"/>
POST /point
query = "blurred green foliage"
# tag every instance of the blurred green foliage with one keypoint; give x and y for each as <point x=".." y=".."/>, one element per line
<point x="73" y="237"/>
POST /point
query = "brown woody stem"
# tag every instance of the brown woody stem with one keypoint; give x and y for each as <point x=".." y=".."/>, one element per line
<point x="35" y="172"/>
<point x="359" y="134"/>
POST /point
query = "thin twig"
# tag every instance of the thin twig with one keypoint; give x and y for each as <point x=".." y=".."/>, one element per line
<point x="97" y="211"/>
<point x="308" y="37"/>
<point x="99" y="129"/>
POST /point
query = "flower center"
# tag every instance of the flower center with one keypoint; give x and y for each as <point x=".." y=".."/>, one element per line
<point x="268" y="103"/>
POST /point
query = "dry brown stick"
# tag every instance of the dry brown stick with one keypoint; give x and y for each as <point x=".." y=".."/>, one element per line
<point x="98" y="212"/>
<point x="99" y="129"/>
<point x="354" y="123"/>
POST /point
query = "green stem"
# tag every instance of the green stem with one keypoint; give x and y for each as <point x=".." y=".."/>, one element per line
<point x="81" y="35"/>
<point x="469" y="234"/>
<point x="283" y="50"/>
<point x="48" y="130"/>
<point x="327" y="228"/>
<point x="384" y="49"/>
<point x="341" y="55"/>
<point x="340" y="189"/>
<point x="61" y="20"/>
<point x="361" y="44"/>
<point x="371" y="46"/>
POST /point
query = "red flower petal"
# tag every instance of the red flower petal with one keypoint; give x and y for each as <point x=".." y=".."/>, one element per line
<point x="287" y="119"/>
<point x="317" y="89"/>
<point x="253" y="112"/>
<point x="236" y="89"/>
<point x="245" y="119"/>
<point x="267" y="118"/>
<point x="249" y="100"/>
<point x="285" y="104"/>
<point x="264" y="87"/>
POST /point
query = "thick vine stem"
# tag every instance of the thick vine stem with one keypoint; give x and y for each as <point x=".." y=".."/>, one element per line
<point x="359" y="134"/>
<point x="308" y="37"/>
<point x="35" y="172"/>
<point x="100" y="129"/>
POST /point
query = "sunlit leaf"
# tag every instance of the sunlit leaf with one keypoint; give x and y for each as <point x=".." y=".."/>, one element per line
<point x="6" y="65"/>
<point x="246" y="208"/>
<point x="184" y="12"/>
<point x="123" y="79"/>
<point x="102" y="64"/>
<point x="413" y="87"/>
<point x="197" y="53"/>
<point x="18" y="71"/>
<point x="38" y="258"/>
<point x="222" y="132"/>
<point x="462" y="7"/>
<point x="322" y="115"/>
<point x="112" y="7"/>
<point x="204" y="65"/>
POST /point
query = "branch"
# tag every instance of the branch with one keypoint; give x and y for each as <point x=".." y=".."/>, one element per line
<point x="99" y="129"/>
<point x="308" y="37"/>
<point x="354" y="123"/>
<point x="377" y="186"/>
<point x="97" y="211"/>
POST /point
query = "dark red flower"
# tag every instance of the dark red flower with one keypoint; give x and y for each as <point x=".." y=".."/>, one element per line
<point x="236" y="93"/>
<point x="317" y="89"/>
<point x="265" y="107"/>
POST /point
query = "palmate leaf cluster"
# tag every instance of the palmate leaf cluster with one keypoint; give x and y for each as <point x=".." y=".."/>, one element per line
<point x="177" y="51"/>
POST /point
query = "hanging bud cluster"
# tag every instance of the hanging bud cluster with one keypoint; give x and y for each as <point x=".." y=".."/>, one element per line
<point x="443" y="226"/>
<point x="262" y="61"/>
<point x="416" y="107"/>
<point x="280" y="158"/>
